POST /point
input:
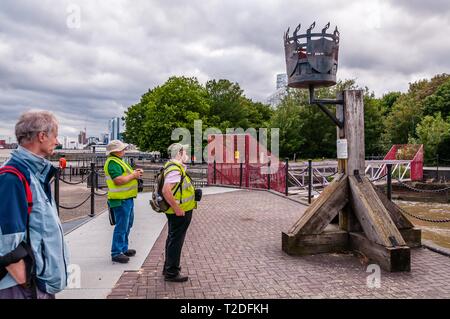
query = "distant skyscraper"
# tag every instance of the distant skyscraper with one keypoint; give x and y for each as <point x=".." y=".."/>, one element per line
<point x="114" y="129"/>
<point x="82" y="137"/>
<point x="275" y="98"/>
<point x="281" y="80"/>
<point x="104" y="138"/>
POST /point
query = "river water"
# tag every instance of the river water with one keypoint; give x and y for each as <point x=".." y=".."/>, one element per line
<point x="436" y="232"/>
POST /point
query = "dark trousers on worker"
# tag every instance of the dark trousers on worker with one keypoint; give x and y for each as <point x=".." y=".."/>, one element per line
<point x="178" y="226"/>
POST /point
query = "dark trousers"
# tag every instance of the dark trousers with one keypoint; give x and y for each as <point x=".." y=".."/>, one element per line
<point x="178" y="226"/>
<point x="18" y="292"/>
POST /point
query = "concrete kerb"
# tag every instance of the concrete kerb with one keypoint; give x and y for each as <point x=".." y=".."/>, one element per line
<point x="436" y="248"/>
<point x="88" y="219"/>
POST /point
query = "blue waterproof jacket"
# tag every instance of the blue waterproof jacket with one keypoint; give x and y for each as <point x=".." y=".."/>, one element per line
<point x="47" y="237"/>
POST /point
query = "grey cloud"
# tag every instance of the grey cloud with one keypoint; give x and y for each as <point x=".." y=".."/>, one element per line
<point x="123" y="48"/>
<point x="420" y="7"/>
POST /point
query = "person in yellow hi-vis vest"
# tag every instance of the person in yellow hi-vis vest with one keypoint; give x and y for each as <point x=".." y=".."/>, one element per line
<point x="122" y="184"/>
<point x="181" y="199"/>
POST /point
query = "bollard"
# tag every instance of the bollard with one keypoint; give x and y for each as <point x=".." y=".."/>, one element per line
<point x="389" y="181"/>
<point x="437" y="167"/>
<point x="70" y="173"/>
<point x="268" y="175"/>
<point x="310" y="181"/>
<point x="215" y="181"/>
<point x="286" y="167"/>
<point x="240" y="174"/>
<point x="91" y="177"/>
<point x="96" y="180"/>
<point x="57" y="174"/>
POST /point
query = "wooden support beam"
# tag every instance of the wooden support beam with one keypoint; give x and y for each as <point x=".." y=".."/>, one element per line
<point x="320" y="213"/>
<point x="394" y="211"/>
<point x="348" y="220"/>
<point x="412" y="237"/>
<point x="391" y="259"/>
<point x="332" y="240"/>
<point x="372" y="215"/>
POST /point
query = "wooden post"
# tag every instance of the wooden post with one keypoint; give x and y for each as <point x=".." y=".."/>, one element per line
<point x="354" y="131"/>
<point x="342" y="163"/>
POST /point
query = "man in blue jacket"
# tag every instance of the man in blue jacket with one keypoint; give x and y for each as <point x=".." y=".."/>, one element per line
<point x="36" y="133"/>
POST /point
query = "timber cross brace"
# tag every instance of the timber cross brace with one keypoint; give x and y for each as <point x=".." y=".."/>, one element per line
<point x="369" y="223"/>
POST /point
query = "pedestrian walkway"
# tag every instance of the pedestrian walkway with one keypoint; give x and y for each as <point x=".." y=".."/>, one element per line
<point x="90" y="248"/>
<point x="233" y="250"/>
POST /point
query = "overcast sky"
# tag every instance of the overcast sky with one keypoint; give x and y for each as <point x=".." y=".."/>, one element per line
<point x="89" y="60"/>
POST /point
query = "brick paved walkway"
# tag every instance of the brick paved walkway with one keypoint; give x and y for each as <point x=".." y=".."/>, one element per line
<point x="233" y="250"/>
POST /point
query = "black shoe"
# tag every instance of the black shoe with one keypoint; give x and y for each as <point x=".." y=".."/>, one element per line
<point x="164" y="272"/>
<point x="130" y="253"/>
<point x="120" y="259"/>
<point x="177" y="278"/>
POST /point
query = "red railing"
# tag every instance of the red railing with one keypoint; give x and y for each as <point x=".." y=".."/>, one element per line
<point x="410" y="152"/>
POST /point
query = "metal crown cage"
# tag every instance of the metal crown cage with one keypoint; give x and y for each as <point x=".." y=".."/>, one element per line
<point x="314" y="63"/>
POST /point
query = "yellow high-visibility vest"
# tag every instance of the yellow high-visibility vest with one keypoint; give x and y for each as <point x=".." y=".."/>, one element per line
<point x="185" y="196"/>
<point x="125" y="191"/>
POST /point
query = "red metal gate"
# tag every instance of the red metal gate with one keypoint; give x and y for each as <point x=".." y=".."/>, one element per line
<point x="411" y="152"/>
<point x="240" y="160"/>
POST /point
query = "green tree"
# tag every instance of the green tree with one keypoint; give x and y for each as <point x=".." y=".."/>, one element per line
<point x="439" y="101"/>
<point x="182" y="100"/>
<point x="407" y="111"/>
<point x="175" y="104"/>
<point x="373" y="124"/>
<point x="287" y="119"/>
<point x="431" y="131"/>
<point x="443" y="149"/>
<point x="388" y="100"/>
<point x="225" y="99"/>
<point x="231" y="109"/>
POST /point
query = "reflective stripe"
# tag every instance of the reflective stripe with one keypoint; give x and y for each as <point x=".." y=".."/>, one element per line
<point x="187" y="199"/>
<point x="118" y="190"/>
<point x="186" y="185"/>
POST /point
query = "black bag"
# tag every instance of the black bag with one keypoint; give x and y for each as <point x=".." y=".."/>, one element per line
<point x="158" y="202"/>
<point x="140" y="185"/>
<point x="112" y="218"/>
<point x="198" y="195"/>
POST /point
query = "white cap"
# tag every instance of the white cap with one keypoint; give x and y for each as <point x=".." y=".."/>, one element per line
<point x="175" y="148"/>
<point x="115" y="146"/>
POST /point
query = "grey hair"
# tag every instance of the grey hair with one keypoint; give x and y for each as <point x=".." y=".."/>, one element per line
<point x="32" y="122"/>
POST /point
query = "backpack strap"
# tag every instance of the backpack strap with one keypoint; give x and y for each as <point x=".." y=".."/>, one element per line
<point x="181" y="180"/>
<point x="29" y="194"/>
